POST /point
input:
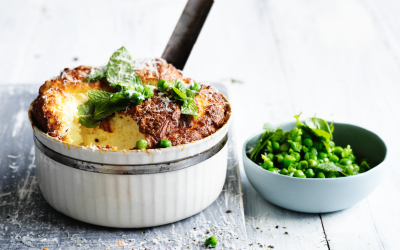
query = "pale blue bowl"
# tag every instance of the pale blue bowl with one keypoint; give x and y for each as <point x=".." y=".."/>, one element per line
<point x="321" y="195"/>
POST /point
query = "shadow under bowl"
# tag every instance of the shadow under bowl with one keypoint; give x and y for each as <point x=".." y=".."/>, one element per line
<point x="314" y="195"/>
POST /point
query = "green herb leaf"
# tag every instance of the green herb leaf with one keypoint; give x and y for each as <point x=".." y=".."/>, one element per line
<point x="189" y="107"/>
<point x="117" y="102"/>
<point x="120" y="70"/>
<point x="330" y="167"/>
<point x="319" y="127"/>
<point x="278" y="135"/>
<point x="269" y="127"/>
<point x="96" y="75"/>
<point x="97" y="96"/>
<point x="86" y="115"/>
<point x="178" y="95"/>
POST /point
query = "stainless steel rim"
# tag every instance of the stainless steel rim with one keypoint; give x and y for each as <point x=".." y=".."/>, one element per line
<point x="130" y="169"/>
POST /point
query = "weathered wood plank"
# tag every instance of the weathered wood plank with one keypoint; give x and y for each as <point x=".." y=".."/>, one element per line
<point x="27" y="221"/>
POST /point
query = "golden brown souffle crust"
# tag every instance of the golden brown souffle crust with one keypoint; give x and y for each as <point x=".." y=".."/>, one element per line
<point x="158" y="117"/>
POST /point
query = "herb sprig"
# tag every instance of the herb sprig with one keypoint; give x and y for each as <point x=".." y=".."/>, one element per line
<point x="178" y="90"/>
<point x="120" y="74"/>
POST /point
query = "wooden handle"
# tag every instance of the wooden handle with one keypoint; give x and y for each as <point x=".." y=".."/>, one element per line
<point x="186" y="32"/>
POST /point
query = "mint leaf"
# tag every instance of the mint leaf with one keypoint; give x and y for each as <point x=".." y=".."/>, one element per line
<point x="189" y="107"/>
<point x="97" y="96"/>
<point x="319" y="127"/>
<point x="330" y="167"/>
<point x="120" y="70"/>
<point x="277" y="135"/>
<point x="96" y="75"/>
<point x="86" y="115"/>
<point x="178" y="95"/>
<point x="269" y="127"/>
<point x="117" y="102"/>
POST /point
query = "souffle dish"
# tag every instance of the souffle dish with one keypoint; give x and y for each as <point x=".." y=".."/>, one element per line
<point x="131" y="144"/>
<point x="116" y="106"/>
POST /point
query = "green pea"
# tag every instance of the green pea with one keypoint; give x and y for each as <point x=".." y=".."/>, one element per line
<point x="284" y="154"/>
<point x="330" y="175"/>
<point x="141" y="144"/>
<point x="284" y="171"/>
<point x="351" y="157"/>
<point x="303" y="165"/>
<point x="164" y="143"/>
<point x="279" y="158"/>
<point x="334" y="159"/>
<point x="291" y="170"/>
<point x="338" y="151"/>
<point x="163" y="85"/>
<point x="305" y="149"/>
<point x="285" y="147"/>
<point x="195" y="87"/>
<point x="320" y="161"/>
<point x="310" y="156"/>
<point x="312" y="163"/>
<point x="317" y="145"/>
<point x="308" y="142"/>
<point x="326" y="160"/>
<point x="346" y="152"/>
<point x="299" y="174"/>
<point x="320" y="175"/>
<point x="313" y="150"/>
<point x="322" y="155"/>
<point x="356" y="168"/>
<point x="297" y="138"/>
<point x="267" y="164"/>
<point x="270" y="156"/>
<point x="345" y="161"/>
<point x="275" y="146"/>
<point x="349" y="170"/>
<point x="295" y="155"/>
<point x="309" y="173"/>
<point x="274" y="170"/>
<point x="148" y="92"/>
<point x="212" y="241"/>
<point x="295" y="165"/>
<point x="288" y="160"/>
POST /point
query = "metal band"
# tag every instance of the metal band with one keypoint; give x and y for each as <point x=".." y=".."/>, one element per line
<point x="130" y="169"/>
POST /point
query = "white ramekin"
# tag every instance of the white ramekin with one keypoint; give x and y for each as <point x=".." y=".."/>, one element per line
<point x="132" y="199"/>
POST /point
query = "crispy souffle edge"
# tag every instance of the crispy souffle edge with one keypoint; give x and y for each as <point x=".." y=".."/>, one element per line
<point x="162" y="70"/>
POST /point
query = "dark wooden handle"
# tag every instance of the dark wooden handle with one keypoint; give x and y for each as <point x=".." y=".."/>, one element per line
<point x="186" y="32"/>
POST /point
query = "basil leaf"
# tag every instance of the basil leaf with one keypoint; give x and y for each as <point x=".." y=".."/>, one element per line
<point x="269" y="127"/>
<point x="86" y="115"/>
<point x="97" y="96"/>
<point x="120" y="70"/>
<point x="96" y="75"/>
<point x="117" y="102"/>
<point x="330" y="167"/>
<point x="189" y="107"/>
<point x="296" y="146"/>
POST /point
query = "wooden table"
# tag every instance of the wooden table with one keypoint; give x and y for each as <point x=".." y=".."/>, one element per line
<point x="339" y="59"/>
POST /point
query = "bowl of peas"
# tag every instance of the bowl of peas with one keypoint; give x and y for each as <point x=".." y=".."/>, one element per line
<point x="313" y="166"/>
